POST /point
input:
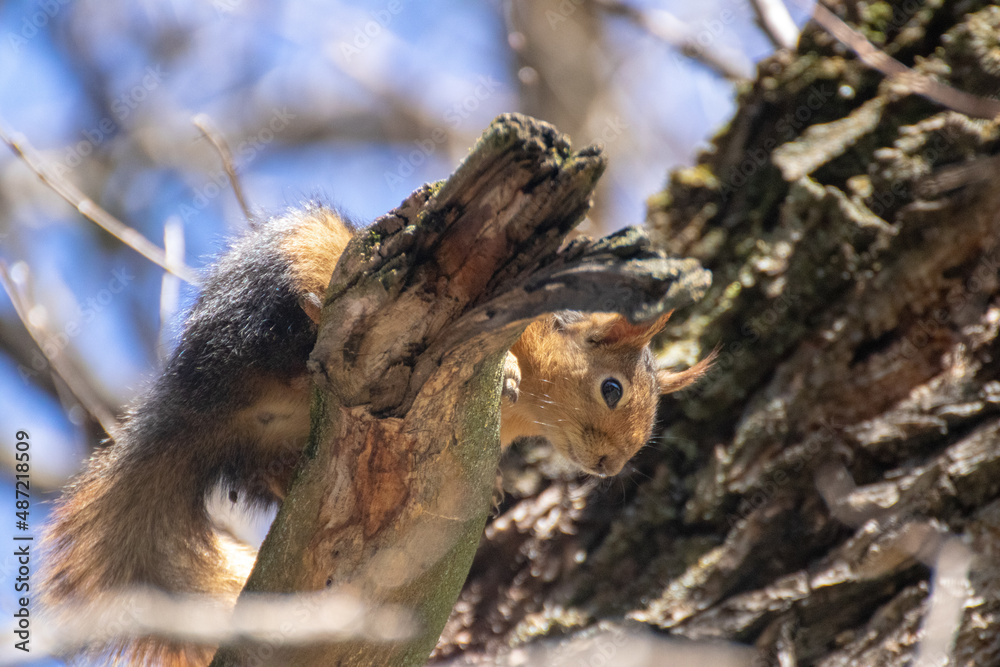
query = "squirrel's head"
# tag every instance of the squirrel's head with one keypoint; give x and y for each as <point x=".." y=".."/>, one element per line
<point x="592" y="386"/>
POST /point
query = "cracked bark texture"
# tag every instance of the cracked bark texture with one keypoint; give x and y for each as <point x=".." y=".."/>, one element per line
<point x="421" y="309"/>
<point x="845" y="446"/>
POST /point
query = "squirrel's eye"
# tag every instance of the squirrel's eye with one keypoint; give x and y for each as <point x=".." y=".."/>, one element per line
<point x="611" y="390"/>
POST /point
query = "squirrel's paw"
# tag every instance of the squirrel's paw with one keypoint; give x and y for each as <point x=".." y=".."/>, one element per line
<point x="511" y="378"/>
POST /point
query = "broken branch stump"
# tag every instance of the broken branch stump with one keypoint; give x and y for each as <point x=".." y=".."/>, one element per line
<point x="393" y="495"/>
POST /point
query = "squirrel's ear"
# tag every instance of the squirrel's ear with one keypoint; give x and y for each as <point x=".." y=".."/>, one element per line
<point x="564" y="319"/>
<point x="670" y="381"/>
<point x="619" y="331"/>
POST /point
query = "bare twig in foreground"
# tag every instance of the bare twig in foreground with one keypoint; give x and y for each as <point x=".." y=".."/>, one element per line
<point x="325" y="615"/>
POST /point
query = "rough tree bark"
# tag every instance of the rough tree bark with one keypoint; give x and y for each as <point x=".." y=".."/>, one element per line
<point x="835" y="484"/>
<point x="419" y="314"/>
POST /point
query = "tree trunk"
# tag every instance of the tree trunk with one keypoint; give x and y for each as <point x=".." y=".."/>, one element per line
<point x="422" y="306"/>
<point x="831" y="493"/>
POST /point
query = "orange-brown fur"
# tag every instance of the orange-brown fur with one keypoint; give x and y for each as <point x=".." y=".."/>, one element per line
<point x="316" y="247"/>
<point x="238" y="415"/>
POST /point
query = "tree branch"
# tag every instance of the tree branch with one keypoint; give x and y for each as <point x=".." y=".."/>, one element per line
<point x="419" y="314"/>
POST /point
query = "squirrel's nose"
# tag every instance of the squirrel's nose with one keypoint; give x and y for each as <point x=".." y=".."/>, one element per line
<point x="601" y="466"/>
<point x="606" y="466"/>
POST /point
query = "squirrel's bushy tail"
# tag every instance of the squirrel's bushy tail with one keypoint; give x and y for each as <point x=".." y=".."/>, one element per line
<point x="136" y="518"/>
<point x="231" y="408"/>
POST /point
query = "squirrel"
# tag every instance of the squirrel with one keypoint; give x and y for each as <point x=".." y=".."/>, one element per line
<point x="231" y="408"/>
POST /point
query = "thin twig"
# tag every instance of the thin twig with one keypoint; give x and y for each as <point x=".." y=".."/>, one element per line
<point x="170" y="286"/>
<point x="90" y="210"/>
<point x="917" y="83"/>
<point x="666" y="27"/>
<point x="84" y="393"/>
<point x="204" y="123"/>
<point x="774" y="19"/>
